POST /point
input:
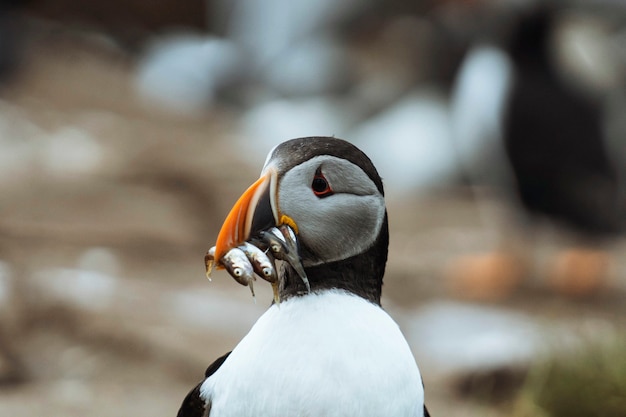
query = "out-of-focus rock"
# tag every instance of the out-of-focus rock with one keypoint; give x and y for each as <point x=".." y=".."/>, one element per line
<point x="100" y="259"/>
<point x="410" y="142"/>
<point x="183" y="73"/>
<point x="267" y="28"/>
<point x="291" y="45"/>
<point x="70" y="152"/>
<point x="458" y="338"/>
<point x="85" y="289"/>
<point x="315" y="65"/>
<point x="200" y="308"/>
<point x="476" y="108"/>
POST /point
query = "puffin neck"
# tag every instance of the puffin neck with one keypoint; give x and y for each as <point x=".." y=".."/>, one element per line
<point x="361" y="274"/>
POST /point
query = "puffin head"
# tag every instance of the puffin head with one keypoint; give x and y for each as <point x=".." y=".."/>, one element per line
<point x="330" y="194"/>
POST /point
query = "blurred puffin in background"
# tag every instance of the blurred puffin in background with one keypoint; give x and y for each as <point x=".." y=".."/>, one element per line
<point x="543" y="126"/>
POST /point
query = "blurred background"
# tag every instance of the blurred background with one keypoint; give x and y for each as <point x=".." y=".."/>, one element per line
<point x="129" y="128"/>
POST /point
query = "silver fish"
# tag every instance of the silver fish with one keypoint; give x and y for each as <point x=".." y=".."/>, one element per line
<point x="257" y="257"/>
<point x="283" y="244"/>
<point x="239" y="267"/>
<point x="262" y="263"/>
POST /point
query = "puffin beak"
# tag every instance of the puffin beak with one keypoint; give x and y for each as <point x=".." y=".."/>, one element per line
<point x="253" y="212"/>
<point x="257" y="211"/>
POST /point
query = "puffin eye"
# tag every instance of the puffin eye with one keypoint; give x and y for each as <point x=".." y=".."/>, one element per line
<point x="320" y="185"/>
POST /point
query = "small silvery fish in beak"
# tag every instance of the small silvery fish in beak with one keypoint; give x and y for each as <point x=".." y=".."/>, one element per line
<point x="262" y="264"/>
<point x="239" y="267"/>
<point x="258" y="256"/>
<point x="283" y="244"/>
<point x="236" y="262"/>
<point x="256" y="227"/>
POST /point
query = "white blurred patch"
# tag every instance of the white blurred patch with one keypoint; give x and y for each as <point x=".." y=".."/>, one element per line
<point x="183" y="73"/>
<point x="72" y="392"/>
<point x="267" y="28"/>
<point x="90" y="290"/>
<point x="315" y="65"/>
<point x="101" y="260"/>
<point x="272" y="122"/>
<point x="69" y="152"/>
<point x="477" y="107"/>
<point x="456" y="337"/>
<point x="409" y="142"/>
<point x="204" y="309"/>
<point x="6" y="284"/>
<point x="18" y="150"/>
<point x="288" y="44"/>
<point x="586" y="54"/>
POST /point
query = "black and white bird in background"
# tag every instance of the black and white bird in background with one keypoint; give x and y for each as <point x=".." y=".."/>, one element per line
<point x="539" y="101"/>
<point x="325" y="347"/>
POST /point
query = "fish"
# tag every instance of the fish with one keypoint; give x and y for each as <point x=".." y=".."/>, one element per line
<point x="239" y="267"/>
<point x="262" y="262"/>
<point x="283" y="244"/>
<point x="257" y="256"/>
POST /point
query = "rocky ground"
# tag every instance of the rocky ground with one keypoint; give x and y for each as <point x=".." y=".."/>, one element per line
<point x="108" y="206"/>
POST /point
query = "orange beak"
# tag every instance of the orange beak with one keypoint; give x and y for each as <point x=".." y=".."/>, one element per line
<point x="254" y="211"/>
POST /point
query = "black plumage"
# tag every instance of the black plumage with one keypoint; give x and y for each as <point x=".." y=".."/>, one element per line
<point x="193" y="405"/>
<point x="361" y="274"/>
<point x="554" y="138"/>
<point x="347" y="274"/>
<point x="295" y="151"/>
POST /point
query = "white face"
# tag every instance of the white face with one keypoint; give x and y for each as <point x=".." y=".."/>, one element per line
<point x="336" y="222"/>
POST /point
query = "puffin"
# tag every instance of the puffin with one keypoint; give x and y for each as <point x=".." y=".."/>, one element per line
<point x="551" y="158"/>
<point x="554" y="137"/>
<point x="327" y="348"/>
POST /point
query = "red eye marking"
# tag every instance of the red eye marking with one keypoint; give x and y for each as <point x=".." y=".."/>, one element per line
<point x="320" y="185"/>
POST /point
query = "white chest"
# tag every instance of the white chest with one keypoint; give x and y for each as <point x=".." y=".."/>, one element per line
<point x="331" y="354"/>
